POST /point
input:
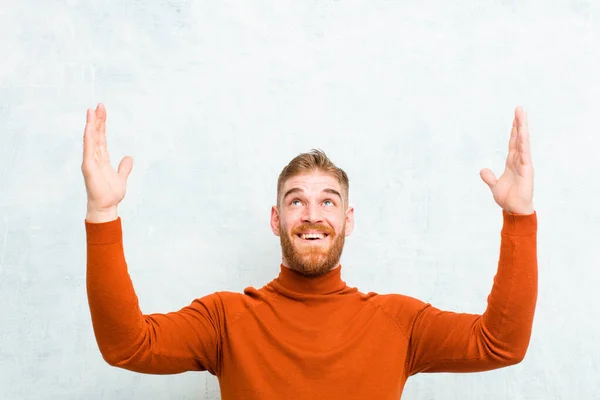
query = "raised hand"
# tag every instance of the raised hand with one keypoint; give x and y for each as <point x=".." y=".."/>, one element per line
<point x="514" y="190"/>
<point x="105" y="187"/>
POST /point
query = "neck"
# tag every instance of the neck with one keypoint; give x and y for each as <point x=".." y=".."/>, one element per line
<point x="327" y="283"/>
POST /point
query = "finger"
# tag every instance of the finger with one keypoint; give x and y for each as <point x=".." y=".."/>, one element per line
<point x="89" y="140"/>
<point x="523" y="136"/>
<point x="488" y="177"/>
<point x="512" y="143"/>
<point x="125" y="167"/>
<point x="101" y="128"/>
<point x="101" y="118"/>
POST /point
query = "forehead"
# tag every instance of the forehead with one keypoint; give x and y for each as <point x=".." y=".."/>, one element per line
<point x="315" y="181"/>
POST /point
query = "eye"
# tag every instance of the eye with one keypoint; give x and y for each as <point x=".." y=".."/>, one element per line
<point x="294" y="201"/>
<point x="329" y="201"/>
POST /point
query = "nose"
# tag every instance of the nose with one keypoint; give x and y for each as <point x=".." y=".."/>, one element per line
<point x="312" y="214"/>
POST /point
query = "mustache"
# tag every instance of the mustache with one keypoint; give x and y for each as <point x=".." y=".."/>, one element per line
<point x="309" y="227"/>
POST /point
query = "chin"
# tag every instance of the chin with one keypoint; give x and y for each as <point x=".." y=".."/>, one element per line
<point x="308" y="268"/>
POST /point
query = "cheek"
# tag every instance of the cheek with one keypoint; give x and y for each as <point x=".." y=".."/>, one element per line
<point x="337" y="221"/>
<point x="284" y="225"/>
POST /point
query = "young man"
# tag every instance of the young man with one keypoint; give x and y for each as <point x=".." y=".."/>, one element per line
<point x="306" y="334"/>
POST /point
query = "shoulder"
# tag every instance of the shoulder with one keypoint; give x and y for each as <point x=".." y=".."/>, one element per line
<point x="402" y="309"/>
<point x="228" y="306"/>
<point x="393" y="301"/>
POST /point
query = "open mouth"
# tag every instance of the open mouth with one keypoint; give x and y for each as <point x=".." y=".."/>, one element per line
<point x="312" y="237"/>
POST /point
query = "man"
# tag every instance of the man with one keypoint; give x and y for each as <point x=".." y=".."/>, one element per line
<point x="306" y="334"/>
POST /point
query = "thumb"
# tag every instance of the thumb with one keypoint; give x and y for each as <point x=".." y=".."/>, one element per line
<point x="125" y="167"/>
<point x="488" y="177"/>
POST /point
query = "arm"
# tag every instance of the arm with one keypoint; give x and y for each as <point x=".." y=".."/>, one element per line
<point x="443" y="341"/>
<point x="157" y="343"/>
<point x="452" y="342"/>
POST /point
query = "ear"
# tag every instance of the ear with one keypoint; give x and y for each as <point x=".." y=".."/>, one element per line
<point x="275" y="221"/>
<point x="349" y="220"/>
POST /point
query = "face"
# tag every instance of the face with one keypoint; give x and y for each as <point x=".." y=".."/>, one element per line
<point x="312" y="222"/>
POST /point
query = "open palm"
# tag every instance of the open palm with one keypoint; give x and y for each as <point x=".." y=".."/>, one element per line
<point x="105" y="187"/>
<point x="514" y="190"/>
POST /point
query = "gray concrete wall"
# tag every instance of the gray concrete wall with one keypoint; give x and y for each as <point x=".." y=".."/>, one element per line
<point x="212" y="99"/>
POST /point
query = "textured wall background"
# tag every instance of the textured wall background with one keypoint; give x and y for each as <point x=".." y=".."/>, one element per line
<point x="212" y="99"/>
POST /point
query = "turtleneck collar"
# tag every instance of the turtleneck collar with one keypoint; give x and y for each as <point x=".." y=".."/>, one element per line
<point x="328" y="283"/>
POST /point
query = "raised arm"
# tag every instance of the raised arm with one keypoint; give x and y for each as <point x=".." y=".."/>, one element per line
<point x="453" y="342"/>
<point x="156" y="343"/>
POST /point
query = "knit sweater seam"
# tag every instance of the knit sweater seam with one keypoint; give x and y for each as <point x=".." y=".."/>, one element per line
<point x="512" y="280"/>
<point x="449" y="360"/>
<point x="159" y="353"/>
<point x="241" y="314"/>
<point x="412" y="327"/>
<point x="229" y="325"/>
<point x="517" y="234"/>
<point x="393" y="320"/>
<point x="221" y="338"/>
<point x="104" y="243"/>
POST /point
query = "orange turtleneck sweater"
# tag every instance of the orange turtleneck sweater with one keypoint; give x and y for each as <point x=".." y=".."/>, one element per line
<point x="312" y="338"/>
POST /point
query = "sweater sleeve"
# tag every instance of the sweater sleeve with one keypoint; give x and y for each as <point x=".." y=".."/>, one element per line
<point x="442" y="341"/>
<point x="186" y="340"/>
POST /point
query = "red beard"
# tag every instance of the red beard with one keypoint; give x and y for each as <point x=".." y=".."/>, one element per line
<point x="315" y="259"/>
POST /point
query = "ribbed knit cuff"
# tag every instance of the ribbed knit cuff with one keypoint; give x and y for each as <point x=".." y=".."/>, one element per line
<point x="519" y="224"/>
<point x="104" y="232"/>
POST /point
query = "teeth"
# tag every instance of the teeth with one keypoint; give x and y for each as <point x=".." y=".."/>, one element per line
<point x="312" y="235"/>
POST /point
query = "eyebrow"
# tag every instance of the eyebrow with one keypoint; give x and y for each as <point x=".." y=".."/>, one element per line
<point x="298" y="190"/>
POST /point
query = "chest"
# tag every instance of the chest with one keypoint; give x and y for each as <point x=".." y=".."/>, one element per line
<point x="354" y="346"/>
